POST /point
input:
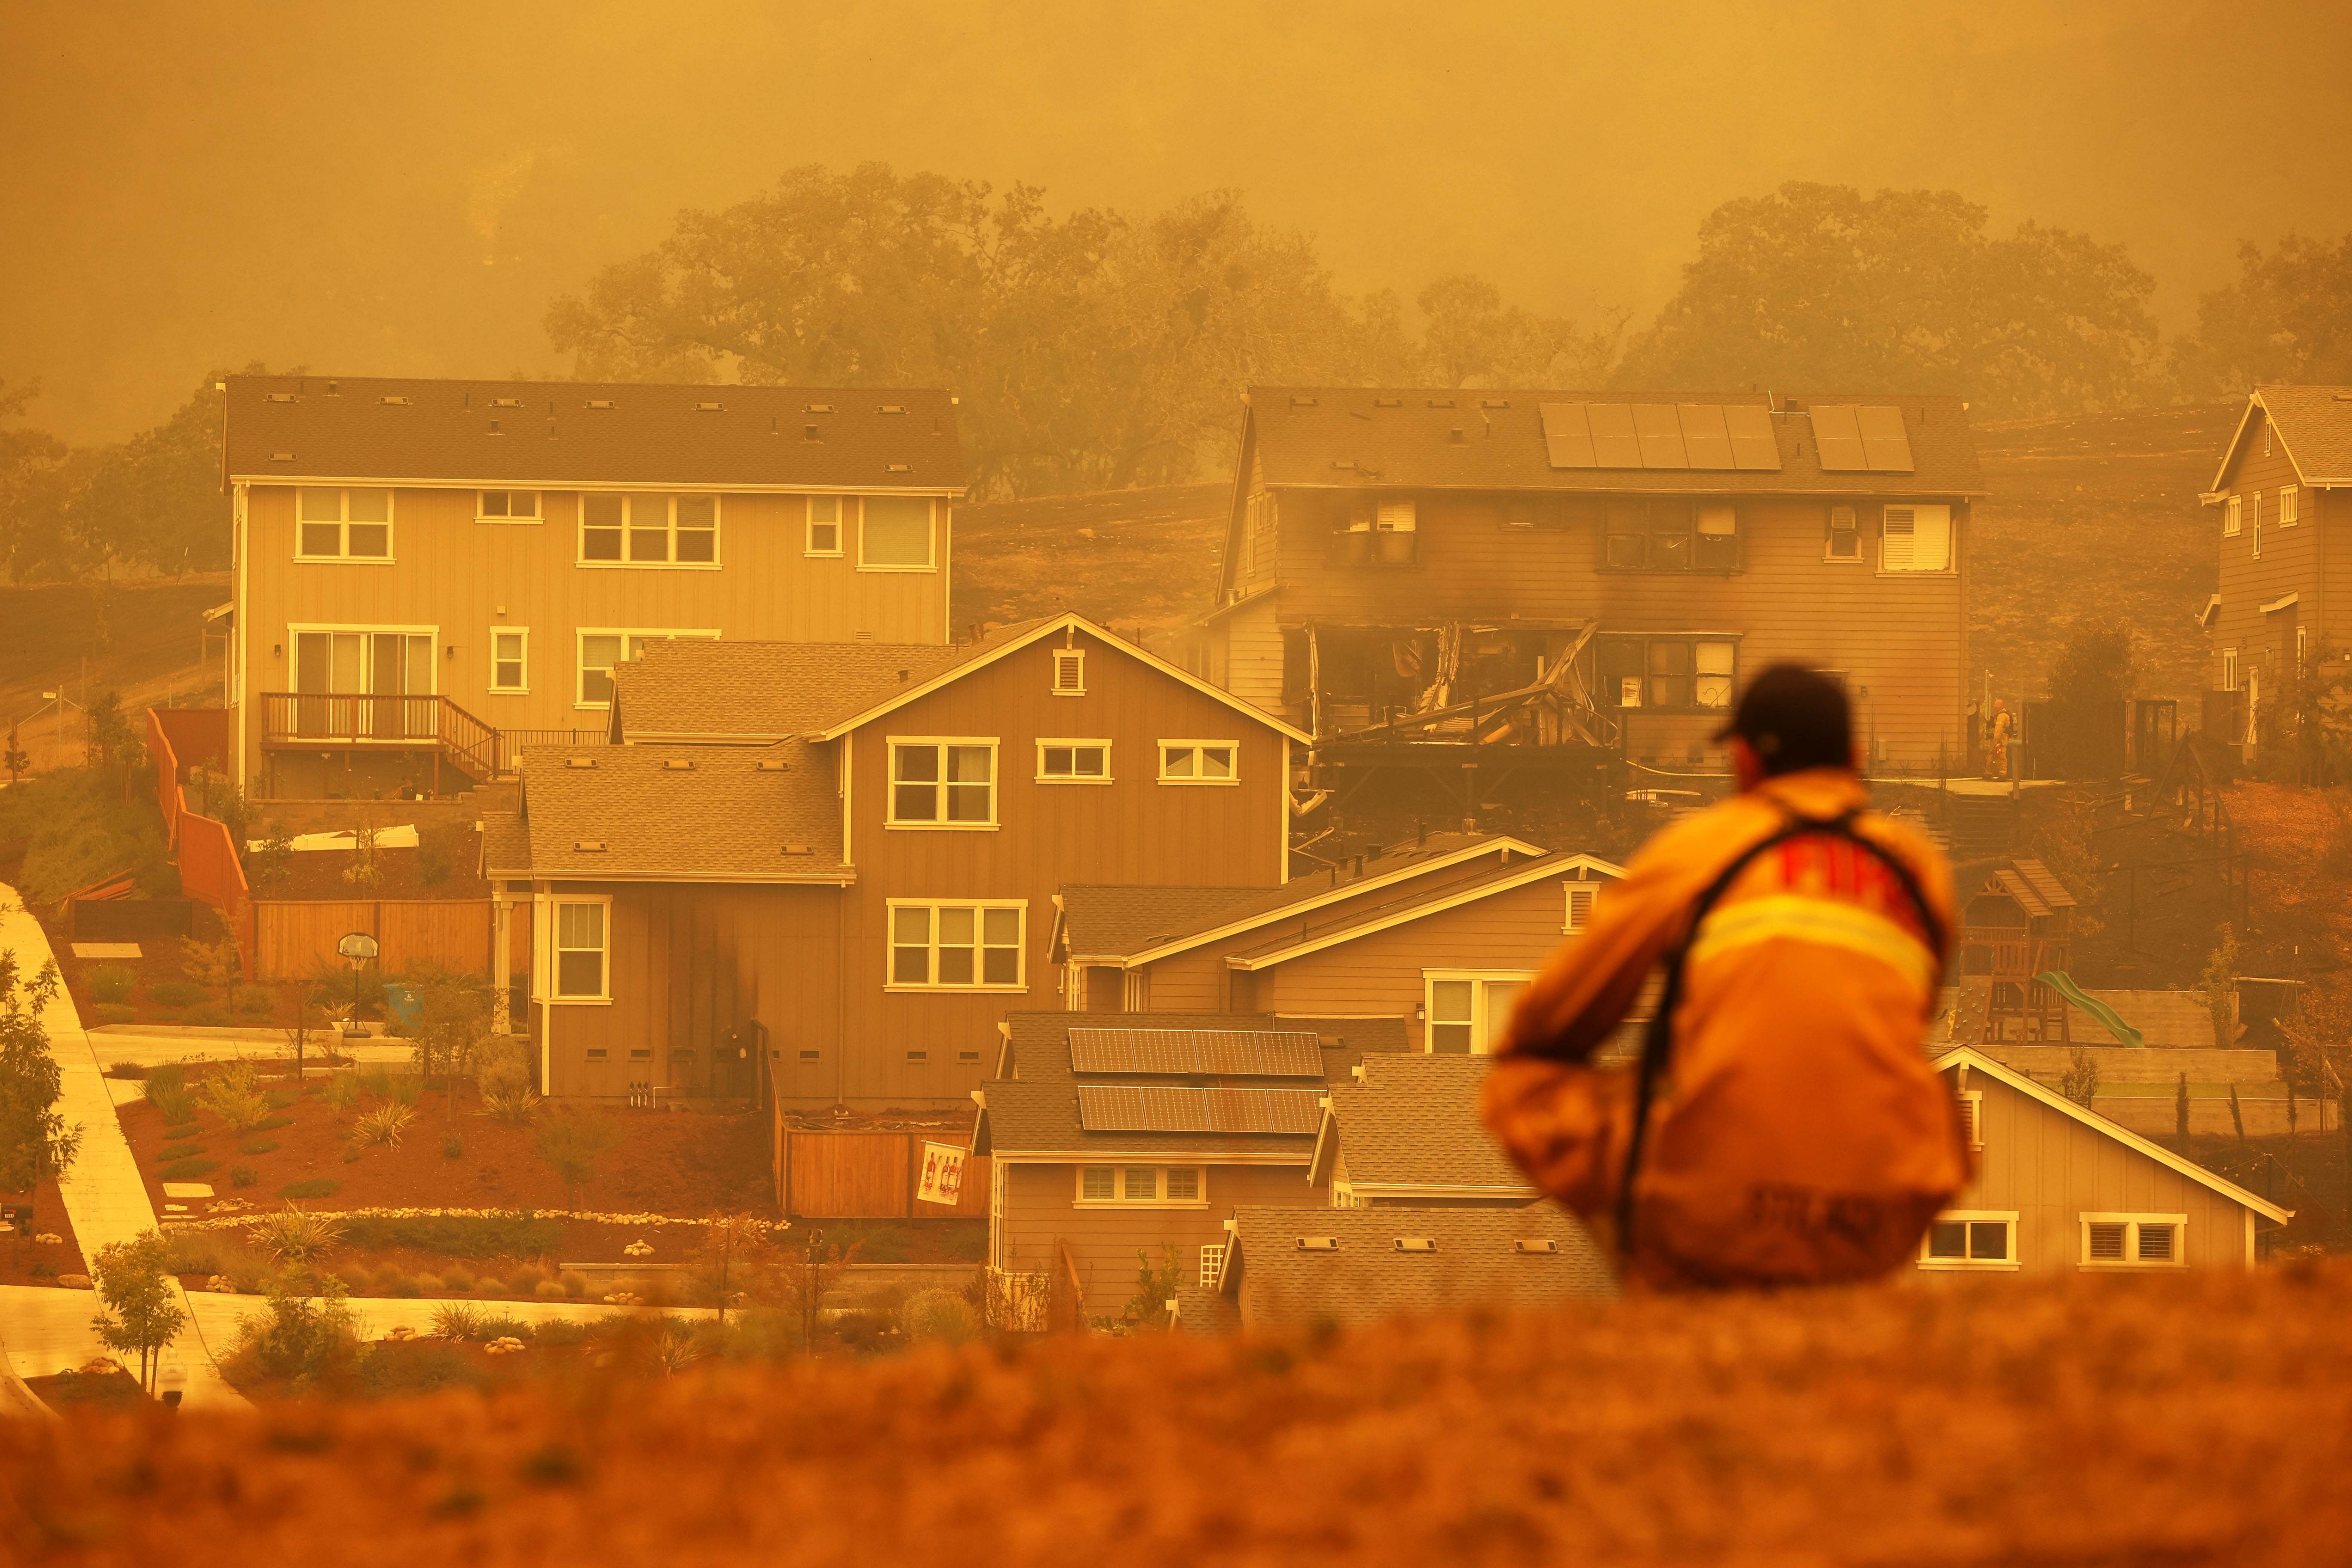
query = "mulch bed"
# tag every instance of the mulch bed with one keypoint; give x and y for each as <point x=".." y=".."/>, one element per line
<point x="23" y="1261"/>
<point x="69" y="1388"/>
<point x="320" y="874"/>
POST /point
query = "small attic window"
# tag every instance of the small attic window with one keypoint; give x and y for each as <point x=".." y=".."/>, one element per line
<point x="1069" y="672"/>
<point x="578" y="762"/>
<point x="816" y="408"/>
<point x="604" y="402"/>
<point x="710" y="408"/>
<point x="506" y="403"/>
<point x="1416" y="1244"/>
<point x="679" y="764"/>
<point x="590" y="847"/>
<point x="394" y="400"/>
<point x="1318" y="1244"/>
<point x="280" y="396"/>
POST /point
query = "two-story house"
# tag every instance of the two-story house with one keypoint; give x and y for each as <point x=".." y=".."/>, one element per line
<point x="845" y="856"/>
<point x="1582" y="571"/>
<point x="431" y="574"/>
<point x="2280" y="487"/>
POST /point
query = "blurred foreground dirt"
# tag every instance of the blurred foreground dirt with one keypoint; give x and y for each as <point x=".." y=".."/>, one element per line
<point x="2174" y="1420"/>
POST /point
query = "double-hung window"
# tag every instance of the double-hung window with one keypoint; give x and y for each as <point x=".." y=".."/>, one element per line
<point x="343" y="524"/>
<point x="2229" y="669"/>
<point x="1074" y="762"/>
<point x="2134" y="1240"/>
<point x="1464" y="1013"/>
<point x="956" y="946"/>
<point x="894" y="534"/>
<point x="509" y="659"/>
<point x="824" y="525"/>
<point x="1199" y="762"/>
<point x="2232" y="518"/>
<point x="1161" y="1186"/>
<point x="1669" y="533"/>
<point x="2290" y="505"/>
<point x="602" y="647"/>
<point x="639" y="530"/>
<point x="942" y="782"/>
<point x="508" y="506"/>
<point x="582" y="932"/>
<point x="1970" y="1238"/>
<point x="1915" y="538"/>
<point x="1845" y="535"/>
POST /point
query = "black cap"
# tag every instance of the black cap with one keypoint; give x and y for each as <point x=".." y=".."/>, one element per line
<point x="1795" y="718"/>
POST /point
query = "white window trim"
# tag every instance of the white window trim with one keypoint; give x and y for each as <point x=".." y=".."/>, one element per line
<point x="932" y="537"/>
<point x="1484" y="1030"/>
<point x="890" y="783"/>
<point x="1045" y="778"/>
<point x="2232" y="518"/>
<point x="1159" y="1184"/>
<point x="2229" y="669"/>
<point x="2290" y="505"/>
<point x="629" y="524"/>
<point x="932" y="988"/>
<point x="580" y="670"/>
<point x="2131" y="1258"/>
<point x="1213" y="1263"/>
<point x="295" y="628"/>
<point x="1077" y="655"/>
<point x="391" y="555"/>
<point x="2008" y="1265"/>
<point x="1972" y="1113"/>
<point x="1166" y="778"/>
<point x="2254" y="518"/>
<point x="1952" y="566"/>
<point x="1861" y="556"/>
<point x="493" y="686"/>
<point x="603" y="998"/>
<point x="1569" y="925"/>
<point x="840" y="528"/>
<point x="481" y="516"/>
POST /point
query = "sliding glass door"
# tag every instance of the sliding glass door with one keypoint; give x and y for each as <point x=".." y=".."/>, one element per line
<point x="365" y="685"/>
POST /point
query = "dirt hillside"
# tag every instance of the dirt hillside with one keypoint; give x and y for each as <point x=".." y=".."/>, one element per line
<point x="2183" y="1420"/>
<point x="140" y="639"/>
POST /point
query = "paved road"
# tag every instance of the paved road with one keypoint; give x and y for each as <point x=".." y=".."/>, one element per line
<point x="104" y="1195"/>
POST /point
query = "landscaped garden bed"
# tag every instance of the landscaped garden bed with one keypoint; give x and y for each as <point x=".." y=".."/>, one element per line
<point x="101" y="1384"/>
<point x="28" y="1260"/>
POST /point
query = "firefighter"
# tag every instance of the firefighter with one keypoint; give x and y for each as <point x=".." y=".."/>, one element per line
<point x="2004" y="729"/>
<point x="1782" y="1125"/>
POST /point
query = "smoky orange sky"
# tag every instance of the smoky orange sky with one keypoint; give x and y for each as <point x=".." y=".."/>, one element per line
<point x="401" y="188"/>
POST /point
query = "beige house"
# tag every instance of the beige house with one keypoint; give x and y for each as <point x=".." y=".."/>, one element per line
<point x="2061" y="1188"/>
<point x="431" y="574"/>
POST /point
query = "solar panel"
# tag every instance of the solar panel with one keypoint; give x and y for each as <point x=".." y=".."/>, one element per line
<point x="1659" y="429"/>
<point x="1567" y="435"/>
<point x="1753" y="448"/>
<point x="1614" y="445"/>
<point x="1239" y="1053"/>
<point x="1839" y="435"/>
<point x="1706" y="439"/>
<point x="1139" y="1108"/>
<point x="1884" y="444"/>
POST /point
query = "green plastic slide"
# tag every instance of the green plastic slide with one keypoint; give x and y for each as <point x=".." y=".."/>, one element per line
<point x="2058" y="980"/>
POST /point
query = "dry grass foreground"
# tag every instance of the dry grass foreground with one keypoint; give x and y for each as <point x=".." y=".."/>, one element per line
<point x="2176" y="1420"/>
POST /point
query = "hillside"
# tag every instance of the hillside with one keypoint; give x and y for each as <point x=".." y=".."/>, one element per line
<point x="139" y="637"/>
<point x="1134" y="560"/>
<point x="2191" y="1419"/>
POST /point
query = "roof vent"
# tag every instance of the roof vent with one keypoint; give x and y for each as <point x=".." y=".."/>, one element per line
<point x="902" y="675"/>
<point x="506" y="403"/>
<point x="281" y="457"/>
<point x="1318" y="1244"/>
<point x="861" y="636"/>
<point x="1302" y="403"/>
<point x="798" y="850"/>
<point x="892" y="409"/>
<point x="710" y="408"/>
<point x="1416" y="1244"/>
<point x="899" y="468"/>
<point x="1441" y="403"/>
<point x="1387" y="403"/>
<point x="810" y="433"/>
<point x="1543" y="1244"/>
<point x="816" y="407"/>
<point x="395" y="399"/>
<point x="494" y="428"/>
<point x="279" y="397"/>
<point x="769" y="765"/>
<point x="679" y="764"/>
<point x="1458" y="435"/>
<point x="590" y="847"/>
<point x="578" y="762"/>
<point x="334" y="389"/>
<point x="1494" y="403"/>
<point x="1347" y="463"/>
<point x="601" y="403"/>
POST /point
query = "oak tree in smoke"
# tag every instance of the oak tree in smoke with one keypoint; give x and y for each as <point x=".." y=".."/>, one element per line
<point x="2288" y="318"/>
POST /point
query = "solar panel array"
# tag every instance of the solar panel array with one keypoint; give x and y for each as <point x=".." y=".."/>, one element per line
<point x="1154" y="1108"/>
<point x="1236" y="1053"/>
<point x="1861" y="438"/>
<point x="1706" y="436"/>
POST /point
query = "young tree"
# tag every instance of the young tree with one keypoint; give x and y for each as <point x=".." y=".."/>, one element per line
<point x="272" y="865"/>
<point x="142" y="1305"/>
<point x="572" y="1140"/>
<point x="2320" y="1033"/>
<point x="452" y="1023"/>
<point x="301" y="1019"/>
<point x="14" y="758"/>
<point x="35" y="1144"/>
<point x="2220" y="985"/>
<point x="2080" y="1081"/>
<point x="112" y="737"/>
<point x="733" y="1261"/>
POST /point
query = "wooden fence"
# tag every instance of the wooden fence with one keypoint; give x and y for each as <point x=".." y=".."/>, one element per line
<point x="869" y="1175"/>
<point x="211" y="870"/>
<point x="290" y="937"/>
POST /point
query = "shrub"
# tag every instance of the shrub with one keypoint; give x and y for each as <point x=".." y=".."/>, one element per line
<point x="574" y="1286"/>
<point x="252" y="1001"/>
<point x="460" y="1321"/>
<point x="174" y="994"/>
<point x="523" y="1235"/>
<point x="938" y="1315"/>
<point x="313" y="1187"/>
<point x="180" y="1134"/>
<point x="377" y="1081"/>
<point x="112" y="1013"/>
<point x="271" y="1124"/>
<point x="397" y="1371"/>
<point x="296" y="1236"/>
<point x="242" y="1176"/>
<point x="452" y="1146"/>
<point x="489" y="1287"/>
<point x="188" y="1170"/>
<point x="171" y="1073"/>
<point x="234" y="1094"/>
<point x="171" y="1151"/>
<point x="109" y="982"/>
<point x="282" y="1099"/>
<point x="258" y="1146"/>
<point x="207" y="1015"/>
<point x="352" y="1153"/>
<point x="194" y="1252"/>
<point x="408" y="1088"/>
<point x="548" y="1290"/>
<point x="402" y="1285"/>
<point x="171" y="1097"/>
<point x="383" y="1125"/>
<point x="456" y="1280"/>
<point x="511" y="1106"/>
<point x="527" y="1278"/>
<point x="560" y="1332"/>
<point x="306" y="1336"/>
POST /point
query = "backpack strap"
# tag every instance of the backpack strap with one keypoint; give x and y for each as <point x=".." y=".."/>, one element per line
<point x="1657" y="1038"/>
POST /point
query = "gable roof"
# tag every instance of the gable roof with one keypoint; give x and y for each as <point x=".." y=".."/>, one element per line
<point x="1470" y="1259"/>
<point x="1408" y="1126"/>
<point x="1392" y="438"/>
<point x="285" y="428"/>
<point x="2313" y="425"/>
<point x="732" y="816"/>
<point x="1975" y="1060"/>
<point x="1413" y="903"/>
<point x="1110" y="920"/>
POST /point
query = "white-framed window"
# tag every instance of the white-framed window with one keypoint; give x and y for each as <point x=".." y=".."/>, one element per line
<point x="1970" y="1238"/>
<point x="2229" y="669"/>
<point x="1684" y="674"/>
<point x="1972" y="1116"/>
<point x="895" y="533"/>
<point x="1914" y="538"/>
<point x="508" y="506"/>
<point x="1069" y="672"/>
<point x="1213" y="1263"/>
<point x="599" y="648"/>
<point x="1073" y="762"/>
<point x="2302" y="645"/>
<point x="1465" y="1012"/>
<point x="343" y="524"/>
<point x="1844" y="541"/>
<point x="1200" y="761"/>
<point x="509" y="659"/>
<point x="2232" y="518"/>
<point x="956" y="946"/>
<point x="823" y="526"/>
<point x="942" y="781"/>
<point x="2290" y="507"/>
<point x="643" y="530"/>
<point x="582" y="943"/>
<point x="376" y="681"/>
<point x="2134" y="1241"/>
<point x="2255" y="517"/>
<point x="1160" y="1186"/>
<point x="1579" y="912"/>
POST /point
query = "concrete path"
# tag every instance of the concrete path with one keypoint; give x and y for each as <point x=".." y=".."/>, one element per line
<point x="104" y="1195"/>
<point x="155" y="1045"/>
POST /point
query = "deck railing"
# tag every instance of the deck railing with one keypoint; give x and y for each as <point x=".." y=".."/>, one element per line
<point x="372" y="719"/>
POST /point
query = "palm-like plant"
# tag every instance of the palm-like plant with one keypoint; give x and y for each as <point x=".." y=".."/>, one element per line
<point x="383" y="1125"/>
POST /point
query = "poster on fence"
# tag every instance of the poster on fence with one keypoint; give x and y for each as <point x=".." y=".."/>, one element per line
<point x="942" y="1180"/>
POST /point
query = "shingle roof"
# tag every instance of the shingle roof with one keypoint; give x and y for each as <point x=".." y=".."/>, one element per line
<point x="1412" y="1120"/>
<point x="1036" y="1111"/>
<point x="706" y="687"/>
<point x="649" y="435"/>
<point x="726" y="818"/>
<point x="1412" y="445"/>
<point x="1199" y="1309"/>
<point x="1368" y="1278"/>
<point x="2316" y="422"/>
<point x="1411" y="896"/>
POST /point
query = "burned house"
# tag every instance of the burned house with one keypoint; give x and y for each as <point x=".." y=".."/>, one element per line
<point x="1410" y="575"/>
